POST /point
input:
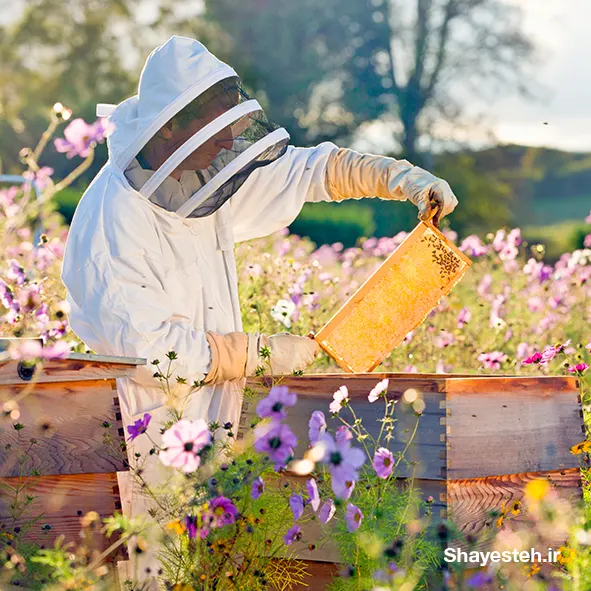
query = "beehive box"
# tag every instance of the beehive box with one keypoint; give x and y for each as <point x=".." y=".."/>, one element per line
<point x="480" y="439"/>
<point x="71" y="409"/>
<point x="394" y="300"/>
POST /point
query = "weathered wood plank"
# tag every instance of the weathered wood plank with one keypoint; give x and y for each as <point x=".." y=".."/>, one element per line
<point x="66" y="421"/>
<point x="511" y="426"/>
<point x="76" y="367"/>
<point x="60" y="501"/>
<point x="470" y="502"/>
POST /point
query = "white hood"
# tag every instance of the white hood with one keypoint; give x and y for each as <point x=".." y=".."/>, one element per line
<point x="173" y="75"/>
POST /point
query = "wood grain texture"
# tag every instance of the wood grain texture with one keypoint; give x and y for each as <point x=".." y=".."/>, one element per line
<point x="511" y="425"/>
<point x="76" y="367"/>
<point x="66" y="421"/>
<point x="320" y="576"/>
<point x="471" y="501"/>
<point x="57" y="501"/>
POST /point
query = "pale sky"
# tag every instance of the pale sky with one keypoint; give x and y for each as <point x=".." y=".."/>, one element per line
<point x="562" y="31"/>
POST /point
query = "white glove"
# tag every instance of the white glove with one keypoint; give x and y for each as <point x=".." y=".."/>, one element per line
<point x="289" y="352"/>
<point x="350" y="175"/>
<point x="424" y="190"/>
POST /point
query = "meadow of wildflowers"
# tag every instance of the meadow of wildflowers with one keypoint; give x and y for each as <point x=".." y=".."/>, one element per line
<point x="232" y="516"/>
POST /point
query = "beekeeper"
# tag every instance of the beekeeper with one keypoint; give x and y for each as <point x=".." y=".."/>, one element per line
<point x="195" y="167"/>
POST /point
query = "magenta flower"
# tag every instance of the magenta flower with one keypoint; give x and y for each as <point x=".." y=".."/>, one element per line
<point x="80" y="137"/>
<point x="316" y="426"/>
<point x="183" y="442"/>
<point x="223" y="511"/>
<point x="464" y="316"/>
<point x="293" y="535"/>
<point x="353" y="517"/>
<point x="296" y="503"/>
<point x="276" y="440"/>
<point x="274" y="404"/>
<point x="196" y="525"/>
<point x="139" y="427"/>
<point x="579" y="368"/>
<point x="313" y="496"/>
<point x="339" y="399"/>
<point x="258" y="486"/>
<point x="327" y="511"/>
<point x="492" y="360"/>
<point x="383" y="462"/>
<point x="380" y="388"/>
<point x="535" y="358"/>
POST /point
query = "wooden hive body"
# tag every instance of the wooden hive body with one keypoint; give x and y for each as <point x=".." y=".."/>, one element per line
<point x="70" y="407"/>
<point x="480" y="439"/>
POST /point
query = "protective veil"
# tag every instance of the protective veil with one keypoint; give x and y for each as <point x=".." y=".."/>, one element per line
<point x="149" y="264"/>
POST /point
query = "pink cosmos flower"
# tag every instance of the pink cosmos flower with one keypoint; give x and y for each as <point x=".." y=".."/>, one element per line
<point x="339" y="399"/>
<point x="588" y="218"/>
<point x="80" y="136"/>
<point x="473" y="246"/>
<point x="15" y="272"/>
<point x="258" y="487"/>
<point x="464" y="316"/>
<point x="353" y="517"/>
<point x="444" y="339"/>
<point x="579" y="368"/>
<point x="492" y="360"/>
<point x="588" y="347"/>
<point x="313" y="496"/>
<point x="327" y="511"/>
<point x="296" y="503"/>
<point x="42" y="177"/>
<point x="380" y="388"/>
<point x="293" y="535"/>
<point x="587" y="241"/>
<point x="34" y="350"/>
<point x="183" y="442"/>
<point x="535" y="304"/>
<point x="223" y="511"/>
<point x="411" y="369"/>
<point x="484" y="285"/>
<point x="383" y="462"/>
<point x="273" y="406"/>
<point x="316" y="426"/>
<point x="343" y="434"/>
<point x="276" y="440"/>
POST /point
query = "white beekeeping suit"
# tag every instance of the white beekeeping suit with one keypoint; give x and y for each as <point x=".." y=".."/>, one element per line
<point x="194" y="167"/>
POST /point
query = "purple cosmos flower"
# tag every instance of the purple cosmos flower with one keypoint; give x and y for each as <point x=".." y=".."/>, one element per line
<point x="80" y="136"/>
<point x="258" y="486"/>
<point x="139" y="427"/>
<point x="223" y="511"/>
<point x="293" y="535"/>
<point x="274" y="404"/>
<point x="327" y="511"/>
<point x="276" y="440"/>
<point x="579" y="368"/>
<point x="343" y="488"/>
<point x="316" y="426"/>
<point x="15" y="272"/>
<point x="383" y="462"/>
<point x="377" y="390"/>
<point x="353" y="517"/>
<point x="492" y="360"/>
<point x="296" y="503"/>
<point x="343" y="461"/>
<point x="313" y="496"/>
<point x="339" y="399"/>
<point x="479" y="580"/>
<point x="343" y="434"/>
<point x="473" y="246"/>
<point x="183" y="442"/>
<point x="198" y="525"/>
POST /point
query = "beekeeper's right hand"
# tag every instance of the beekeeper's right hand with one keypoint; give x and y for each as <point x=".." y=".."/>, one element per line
<point x="237" y="354"/>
